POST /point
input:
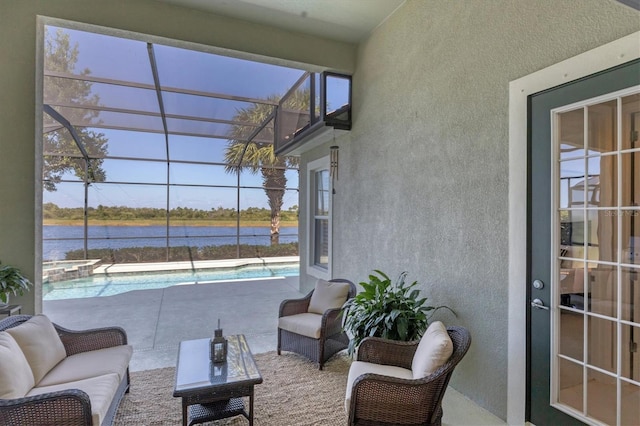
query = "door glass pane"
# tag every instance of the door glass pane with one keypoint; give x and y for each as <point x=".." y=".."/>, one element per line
<point x="571" y="384"/>
<point x="602" y="127"/>
<point x="601" y="397"/>
<point x="572" y="285"/>
<point x="630" y="121"/>
<point x="630" y="236"/>
<point x="603" y="294"/>
<point x="630" y="359"/>
<point x="572" y="176"/>
<point x="572" y="334"/>
<point x="602" y="335"/>
<point x="630" y="278"/>
<point x="630" y="179"/>
<point x="630" y="403"/>
<point x="602" y="233"/>
<point x="602" y="188"/>
<point x="571" y="129"/>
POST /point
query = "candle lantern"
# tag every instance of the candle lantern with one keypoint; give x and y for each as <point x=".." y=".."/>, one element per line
<point x="218" y="346"/>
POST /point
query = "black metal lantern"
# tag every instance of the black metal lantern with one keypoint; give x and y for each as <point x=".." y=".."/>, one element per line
<point x="218" y="346"/>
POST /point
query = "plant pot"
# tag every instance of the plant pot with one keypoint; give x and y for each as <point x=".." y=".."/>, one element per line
<point x="4" y="304"/>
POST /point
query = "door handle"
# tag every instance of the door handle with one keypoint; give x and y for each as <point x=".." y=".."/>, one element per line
<point x="539" y="304"/>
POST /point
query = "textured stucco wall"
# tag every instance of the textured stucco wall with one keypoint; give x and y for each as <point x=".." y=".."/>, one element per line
<point x="19" y="186"/>
<point x="424" y="177"/>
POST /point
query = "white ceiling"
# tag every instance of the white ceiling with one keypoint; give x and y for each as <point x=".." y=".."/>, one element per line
<point x="343" y="20"/>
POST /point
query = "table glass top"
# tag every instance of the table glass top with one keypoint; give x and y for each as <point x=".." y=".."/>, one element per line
<point x="195" y="370"/>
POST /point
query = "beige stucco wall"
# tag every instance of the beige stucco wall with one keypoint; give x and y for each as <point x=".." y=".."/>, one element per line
<point x="19" y="186"/>
<point x="424" y="175"/>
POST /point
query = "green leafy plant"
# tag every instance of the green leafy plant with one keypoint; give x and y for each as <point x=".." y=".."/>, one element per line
<point x="389" y="310"/>
<point x="12" y="282"/>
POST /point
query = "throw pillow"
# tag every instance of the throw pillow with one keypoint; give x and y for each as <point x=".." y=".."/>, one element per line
<point x="433" y="351"/>
<point x="328" y="295"/>
<point x="40" y="343"/>
<point x="16" y="378"/>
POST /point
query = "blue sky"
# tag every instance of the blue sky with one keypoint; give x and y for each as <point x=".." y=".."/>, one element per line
<point x="124" y="59"/>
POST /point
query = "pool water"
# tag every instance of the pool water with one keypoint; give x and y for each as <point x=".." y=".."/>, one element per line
<point x="109" y="285"/>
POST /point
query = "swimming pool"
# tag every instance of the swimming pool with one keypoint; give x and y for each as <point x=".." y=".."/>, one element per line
<point x="109" y="285"/>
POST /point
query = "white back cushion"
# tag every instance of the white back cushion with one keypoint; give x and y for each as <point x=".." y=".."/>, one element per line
<point x="328" y="295"/>
<point x="16" y="378"/>
<point x="433" y="351"/>
<point x="40" y="344"/>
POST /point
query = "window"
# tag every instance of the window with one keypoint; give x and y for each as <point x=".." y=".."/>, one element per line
<point x="319" y="218"/>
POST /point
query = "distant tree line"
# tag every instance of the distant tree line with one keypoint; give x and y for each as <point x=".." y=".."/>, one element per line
<point x="123" y="213"/>
<point x="184" y="253"/>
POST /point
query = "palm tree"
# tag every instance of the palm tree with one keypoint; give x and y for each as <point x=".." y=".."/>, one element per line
<point x="259" y="156"/>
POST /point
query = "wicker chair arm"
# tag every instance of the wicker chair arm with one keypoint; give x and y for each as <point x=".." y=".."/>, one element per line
<point x="294" y="306"/>
<point x="89" y="340"/>
<point x="332" y="321"/>
<point x="387" y="352"/>
<point x="68" y="407"/>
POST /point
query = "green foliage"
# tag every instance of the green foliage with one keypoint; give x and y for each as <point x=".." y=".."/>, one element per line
<point x="12" y="282"/>
<point x="183" y="253"/>
<point x="387" y="310"/>
<point x="122" y="213"/>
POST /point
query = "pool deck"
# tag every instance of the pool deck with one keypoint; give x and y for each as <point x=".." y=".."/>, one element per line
<point x="157" y="320"/>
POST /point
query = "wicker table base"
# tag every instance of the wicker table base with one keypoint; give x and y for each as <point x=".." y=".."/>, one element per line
<point x="202" y="413"/>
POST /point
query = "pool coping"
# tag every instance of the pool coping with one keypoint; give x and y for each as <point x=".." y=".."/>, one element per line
<point x="127" y="268"/>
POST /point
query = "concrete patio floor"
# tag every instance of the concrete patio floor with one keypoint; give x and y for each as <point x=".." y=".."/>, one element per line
<point x="157" y="320"/>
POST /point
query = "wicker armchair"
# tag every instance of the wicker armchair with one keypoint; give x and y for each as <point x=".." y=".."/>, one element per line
<point x="332" y="338"/>
<point x="384" y="400"/>
<point x="70" y="407"/>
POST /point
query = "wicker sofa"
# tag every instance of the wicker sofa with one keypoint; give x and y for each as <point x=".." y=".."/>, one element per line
<point x="53" y="376"/>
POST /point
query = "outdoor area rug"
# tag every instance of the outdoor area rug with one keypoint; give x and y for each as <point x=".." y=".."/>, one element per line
<point x="294" y="393"/>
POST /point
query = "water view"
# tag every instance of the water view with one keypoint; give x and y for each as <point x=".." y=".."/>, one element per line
<point x="58" y="240"/>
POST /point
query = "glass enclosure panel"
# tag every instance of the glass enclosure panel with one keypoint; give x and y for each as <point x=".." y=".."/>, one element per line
<point x="321" y="249"/>
<point x="135" y="171"/>
<point x="630" y="406"/>
<point x="322" y="192"/>
<point x="603" y="290"/>
<point x="193" y="148"/>
<point x="630" y="355"/>
<point x="201" y="174"/>
<point x="572" y="280"/>
<point x="603" y="343"/>
<point x="135" y="145"/>
<point x="60" y="142"/>
<point x="602" y="232"/>
<point x="571" y="384"/>
<point x="572" y="176"/>
<point x="602" y="127"/>
<point x="572" y="335"/>
<point x="601" y="397"/>
<point x="571" y="133"/>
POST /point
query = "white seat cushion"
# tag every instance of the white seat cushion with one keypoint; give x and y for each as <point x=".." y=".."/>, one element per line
<point x="101" y="391"/>
<point x="16" y="378"/>
<point x="306" y="324"/>
<point x="84" y="365"/>
<point x="328" y="295"/>
<point x="358" y="368"/>
<point x="434" y="349"/>
<point x="40" y="344"/>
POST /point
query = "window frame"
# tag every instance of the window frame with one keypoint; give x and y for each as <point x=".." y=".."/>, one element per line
<point x="314" y="269"/>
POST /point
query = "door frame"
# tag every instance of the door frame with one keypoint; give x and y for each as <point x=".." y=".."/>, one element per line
<point x="599" y="59"/>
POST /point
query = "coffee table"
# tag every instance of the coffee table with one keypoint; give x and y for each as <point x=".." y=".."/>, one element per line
<point x="214" y="391"/>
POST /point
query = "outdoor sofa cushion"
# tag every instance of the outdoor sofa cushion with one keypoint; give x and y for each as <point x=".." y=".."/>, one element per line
<point x="434" y="349"/>
<point x="358" y="368"/>
<point x="306" y="324"/>
<point x="89" y="364"/>
<point x="101" y="391"/>
<point x="328" y="295"/>
<point x="40" y="344"/>
<point x="16" y="378"/>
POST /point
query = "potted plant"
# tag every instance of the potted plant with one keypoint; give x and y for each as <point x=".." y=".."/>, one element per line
<point x="389" y="310"/>
<point x="11" y="282"/>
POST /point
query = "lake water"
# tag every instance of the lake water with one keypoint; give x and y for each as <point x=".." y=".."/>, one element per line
<point x="115" y="237"/>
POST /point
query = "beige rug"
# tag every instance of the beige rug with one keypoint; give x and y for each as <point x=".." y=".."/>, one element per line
<point x="294" y="393"/>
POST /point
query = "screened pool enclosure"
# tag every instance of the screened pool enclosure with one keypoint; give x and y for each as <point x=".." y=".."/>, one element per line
<point x="158" y="153"/>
